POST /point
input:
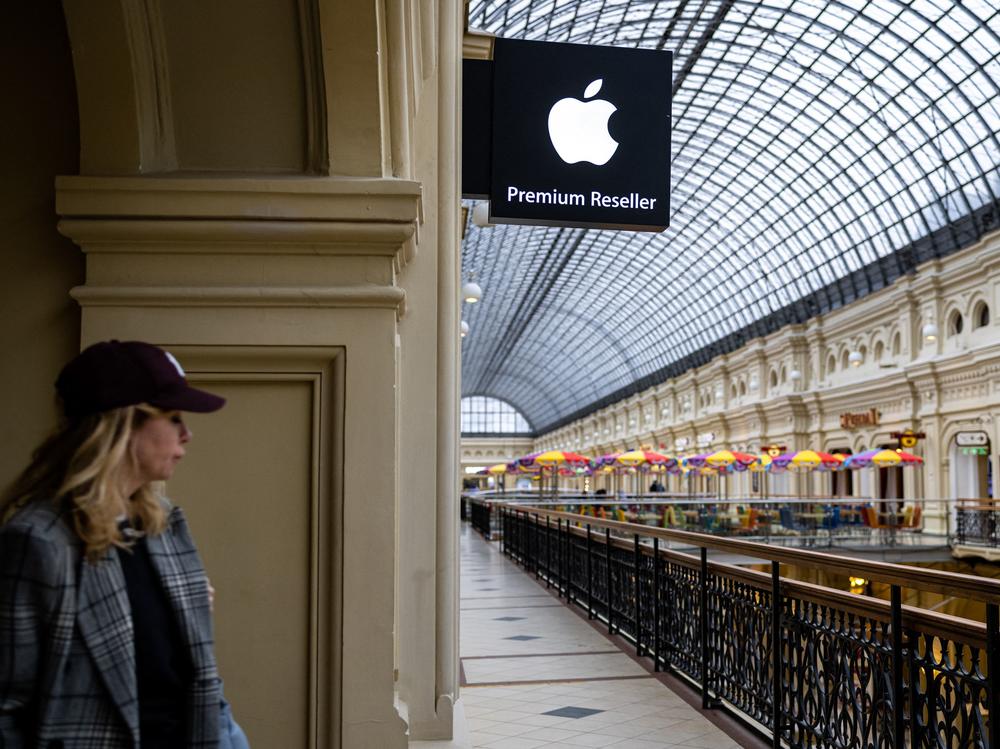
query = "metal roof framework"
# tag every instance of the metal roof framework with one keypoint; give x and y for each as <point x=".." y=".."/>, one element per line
<point x="820" y="150"/>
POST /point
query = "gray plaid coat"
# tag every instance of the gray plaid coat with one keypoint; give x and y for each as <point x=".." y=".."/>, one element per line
<point x="67" y="657"/>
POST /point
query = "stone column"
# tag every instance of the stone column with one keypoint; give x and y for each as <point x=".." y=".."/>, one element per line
<point x="282" y="294"/>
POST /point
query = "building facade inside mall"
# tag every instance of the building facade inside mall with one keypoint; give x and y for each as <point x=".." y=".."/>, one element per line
<point x="272" y="192"/>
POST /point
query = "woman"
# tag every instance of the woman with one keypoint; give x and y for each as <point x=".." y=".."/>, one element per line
<point x="105" y="622"/>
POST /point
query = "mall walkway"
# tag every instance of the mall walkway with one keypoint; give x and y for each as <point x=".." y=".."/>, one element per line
<point x="536" y="673"/>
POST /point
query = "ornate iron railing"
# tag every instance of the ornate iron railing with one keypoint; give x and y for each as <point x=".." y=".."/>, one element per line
<point x="977" y="523"/>
<point x="482" y="516"/>
<point x="809" y="665"/>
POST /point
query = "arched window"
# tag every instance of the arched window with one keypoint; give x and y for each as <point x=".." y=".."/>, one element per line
<point x="981" y="316"/>
<point x="879" y="351"/>
<point x="844" y="361"/>
<point x="784" y="374"/>
<point x="895" y="344"/>
<point x="484" y="415"/>
<point x="773" y="379"/>
<point x="955" y="323"/>
<point x="831" y="365"/>
<point x="743" y="388"/>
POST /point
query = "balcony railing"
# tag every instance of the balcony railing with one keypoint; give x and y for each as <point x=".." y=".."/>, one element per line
<point x="792" y="521"/>
<point x="808" y="665"/>
<point x="977" y="523"/>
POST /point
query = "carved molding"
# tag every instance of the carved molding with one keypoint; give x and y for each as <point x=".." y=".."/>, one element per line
<point x="242" y="237"/>
<point x="144" y="29"/>
<point x="367" y="297"/>
<point x="374" y="200"/>
<point x="317" y="147"/>
<point x="477" y="45"/>
<point x="129" y="227"/>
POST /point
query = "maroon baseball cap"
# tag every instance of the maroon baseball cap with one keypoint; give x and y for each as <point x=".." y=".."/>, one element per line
<point x="115" y="374"/>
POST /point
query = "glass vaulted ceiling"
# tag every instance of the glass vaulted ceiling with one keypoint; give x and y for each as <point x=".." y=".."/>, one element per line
<point x="820" y="150"/>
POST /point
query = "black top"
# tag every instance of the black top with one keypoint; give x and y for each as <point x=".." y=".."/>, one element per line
<point x="162" y="663"/>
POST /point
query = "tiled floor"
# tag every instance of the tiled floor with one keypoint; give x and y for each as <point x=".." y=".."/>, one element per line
<point x="538" y="675"/>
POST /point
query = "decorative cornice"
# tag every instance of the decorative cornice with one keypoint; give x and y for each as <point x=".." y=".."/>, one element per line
<point x="477" y="45"/>
<point x="227" y="236"/>
<point x="351" y="199"/>
<point x="277" y="217"/>
<point x="368" y="296"/>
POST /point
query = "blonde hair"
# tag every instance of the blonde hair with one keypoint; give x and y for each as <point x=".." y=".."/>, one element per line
<point x="83" y="468"/>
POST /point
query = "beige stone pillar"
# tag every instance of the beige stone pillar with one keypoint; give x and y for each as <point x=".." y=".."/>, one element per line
<point x="281" y="294"/>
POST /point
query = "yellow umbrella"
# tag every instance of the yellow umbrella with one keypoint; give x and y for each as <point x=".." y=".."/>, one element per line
<point x="640" y="457"/>
<point x="726" y="458"/>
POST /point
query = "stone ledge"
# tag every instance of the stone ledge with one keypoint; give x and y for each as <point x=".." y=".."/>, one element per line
<point x="368" y="200"/>
<point x="226" y="236"/>
<point x="370" y="297"/>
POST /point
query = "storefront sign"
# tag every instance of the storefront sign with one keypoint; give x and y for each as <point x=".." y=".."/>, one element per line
<point x="681" y="442"/>
<point x="580" y="135"/>
<point x="908" y="438"/>
<point x="869" y="418"/>
<point x="705" y="439"/>
<point x="773" y="451"/>
<point x="971" y="439"/>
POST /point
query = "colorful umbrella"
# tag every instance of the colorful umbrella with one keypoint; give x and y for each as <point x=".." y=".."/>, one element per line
<point x="695" y="461"/>
<point x="497" y="469"/>
<point x="761" y="463"/>
<point x="515" y="466"/>
<point x="882" y="459"/>
<point x="610" y="459"/>
<point x="559" y="457"/>
<point x="643" y="457"/>
<point x="805" y="460"/>
<point x="695" y="465"/>
<point x="731" y="460"/>
<point x="830" y="461"/>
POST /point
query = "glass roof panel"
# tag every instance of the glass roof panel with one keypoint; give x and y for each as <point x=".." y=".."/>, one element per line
<point x="811" y="140"/>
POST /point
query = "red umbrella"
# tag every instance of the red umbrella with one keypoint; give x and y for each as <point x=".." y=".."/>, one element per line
<point x="644" y="457"/>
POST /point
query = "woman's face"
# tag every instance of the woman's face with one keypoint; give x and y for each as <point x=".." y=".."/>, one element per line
<point x="158" y="444"/>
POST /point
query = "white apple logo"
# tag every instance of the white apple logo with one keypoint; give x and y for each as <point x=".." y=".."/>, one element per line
<point x="579" y="130"/>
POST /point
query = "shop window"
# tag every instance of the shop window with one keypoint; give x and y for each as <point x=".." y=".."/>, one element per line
<point x="890" y="480"/>
<point x="955" y="323"/>
<point x="972" y="474"/>
<point x="981" y="316"/>
<point x="841" y="482"/>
